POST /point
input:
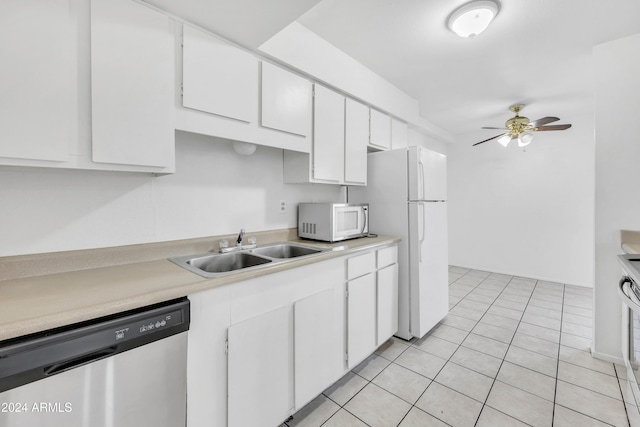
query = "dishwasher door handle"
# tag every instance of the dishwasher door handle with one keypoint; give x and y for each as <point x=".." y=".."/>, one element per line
<point x="79" y="361"/>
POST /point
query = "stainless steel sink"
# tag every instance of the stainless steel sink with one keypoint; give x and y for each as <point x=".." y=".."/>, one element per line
<point x="227" y="262"/>
<point x="220" y="264"/>
<point x="216" y="264"/>
<point x="285" y="250"/>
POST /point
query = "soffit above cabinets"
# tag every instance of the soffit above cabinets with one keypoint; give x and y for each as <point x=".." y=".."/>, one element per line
<point x="248" y="23"/>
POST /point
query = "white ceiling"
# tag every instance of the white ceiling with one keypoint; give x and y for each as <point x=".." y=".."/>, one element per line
<point x="536" y="52"/>
<point x="248" y="23"/>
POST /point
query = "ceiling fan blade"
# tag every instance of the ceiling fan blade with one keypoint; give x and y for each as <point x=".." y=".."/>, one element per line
<point x="553" y="127"/>
<point x="497" y="136"/>
<point x="543" y="121"/>
<point x="487" y="127"/>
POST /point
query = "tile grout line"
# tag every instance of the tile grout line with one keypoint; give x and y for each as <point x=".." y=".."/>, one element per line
<point x="447" y="360"/>
<point x="624" y="402"/>
<point x="505" y="354"/>
<point x="555" y="388"/>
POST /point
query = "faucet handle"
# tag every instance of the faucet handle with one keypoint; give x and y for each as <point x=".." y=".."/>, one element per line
<point x="252" y="240"/>
<point x="223" y="244"/>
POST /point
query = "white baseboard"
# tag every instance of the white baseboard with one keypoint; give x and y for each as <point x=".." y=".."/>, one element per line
<point x="607" y="357"/>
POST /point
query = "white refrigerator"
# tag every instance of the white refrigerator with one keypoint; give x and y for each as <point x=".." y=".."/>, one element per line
<point x="407" y="193"/>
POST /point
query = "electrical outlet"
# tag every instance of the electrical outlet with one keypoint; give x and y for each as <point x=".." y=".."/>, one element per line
<point x="283" y="206"/>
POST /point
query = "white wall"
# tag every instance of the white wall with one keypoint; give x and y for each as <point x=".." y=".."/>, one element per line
<point x="525" y="212"/>
<point x="215" y="191"/>
<point x="309" y="53"/>
<point x="617" y="177"/>
<point x="415" y="137"/>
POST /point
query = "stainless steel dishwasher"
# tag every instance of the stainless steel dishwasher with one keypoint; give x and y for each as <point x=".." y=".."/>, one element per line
<point x="125" y="370"/>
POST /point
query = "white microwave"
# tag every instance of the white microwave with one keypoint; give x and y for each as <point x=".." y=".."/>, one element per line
<point x="332" y="222"/>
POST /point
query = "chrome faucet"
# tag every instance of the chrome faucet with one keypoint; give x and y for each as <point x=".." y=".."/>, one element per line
<point x="224" y="244"/>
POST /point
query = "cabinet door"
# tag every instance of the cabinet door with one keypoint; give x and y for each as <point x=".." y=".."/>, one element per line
<point x="286" y="101"/>
<point x="132" y="81"/>
<point x="399" y="134"/>
<point x="317" y="355"/>
<point x="361" y="318"/>
<point x="356" y="140"/>
<point x="206" y="358"/>
<point x="387" y="287"/>
<point x="380" y="130"/>
<point x="36" y="74"/>
<point x="328" y="135"/>
<point x="218" y="78"/>
<point x="260" y="370"/>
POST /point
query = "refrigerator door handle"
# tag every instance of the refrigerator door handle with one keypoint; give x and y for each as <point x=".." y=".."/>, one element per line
<point x="421" y="181"/>
<point x="421" y="236"/>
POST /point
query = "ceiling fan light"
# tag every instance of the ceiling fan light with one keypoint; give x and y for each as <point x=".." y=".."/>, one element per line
<point x="504" y="140"/>
<point x="472" y="18"/>
<point x="525" y="138"/>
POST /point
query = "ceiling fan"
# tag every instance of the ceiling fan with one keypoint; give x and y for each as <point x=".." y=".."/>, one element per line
<point x="520" y="128"/>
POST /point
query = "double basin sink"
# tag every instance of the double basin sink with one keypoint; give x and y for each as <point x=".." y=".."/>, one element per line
<point x="220" y="264"/>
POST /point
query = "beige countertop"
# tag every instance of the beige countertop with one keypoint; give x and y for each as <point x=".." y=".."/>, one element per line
<point x="36" y="303"/>
<point x="630" y="241"/>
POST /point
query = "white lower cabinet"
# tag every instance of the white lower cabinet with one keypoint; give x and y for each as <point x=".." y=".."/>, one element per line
<point x="259" y="370"/>
<point x="361" y="318"/>
<point x="387" y="302"/>
<point x="207" y="359"/>
<point x="261" y="349"/>
<point x="372" y="302"/>
<point x="317" y="355"/>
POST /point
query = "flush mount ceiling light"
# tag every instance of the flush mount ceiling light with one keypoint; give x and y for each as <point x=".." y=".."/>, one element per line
<point x="472" y="18"/>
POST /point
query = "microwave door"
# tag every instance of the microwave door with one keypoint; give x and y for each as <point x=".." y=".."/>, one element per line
<point x="348" y="222"/>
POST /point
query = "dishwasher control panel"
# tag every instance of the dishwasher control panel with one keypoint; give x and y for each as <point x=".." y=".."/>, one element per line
<point x="149" y="325"/>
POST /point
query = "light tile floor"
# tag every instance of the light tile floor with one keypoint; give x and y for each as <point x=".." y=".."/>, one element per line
<point x="512" y="351"/>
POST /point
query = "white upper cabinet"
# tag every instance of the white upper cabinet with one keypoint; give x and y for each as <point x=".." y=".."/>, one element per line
<point x="355" y="144"/>
<point x="340" y="138"/>
<point x="132" y="84"/>
<point x="285" y="101"/>
<point x="36" y="71"/>
<point x="380" y="130"/>
<point x="218" y="78"/>
<point x="328" y="135"/>
<point x="399" y="134"/>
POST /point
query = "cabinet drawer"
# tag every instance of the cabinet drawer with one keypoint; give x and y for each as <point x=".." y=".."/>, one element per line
<point x="387" y="256"/>
<point x="360" y="265"/>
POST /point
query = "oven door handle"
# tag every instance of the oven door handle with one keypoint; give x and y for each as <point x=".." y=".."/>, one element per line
<point x="626" y="298"/>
